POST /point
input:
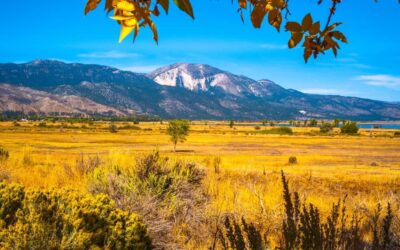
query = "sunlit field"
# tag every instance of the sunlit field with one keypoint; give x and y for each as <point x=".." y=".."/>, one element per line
<point x="242" y="165"/>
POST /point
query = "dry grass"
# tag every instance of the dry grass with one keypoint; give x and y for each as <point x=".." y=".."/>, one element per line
<point x="364" y="167"/>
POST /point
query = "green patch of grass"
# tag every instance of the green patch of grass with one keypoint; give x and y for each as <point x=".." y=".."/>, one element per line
<point x="278" y="131"/>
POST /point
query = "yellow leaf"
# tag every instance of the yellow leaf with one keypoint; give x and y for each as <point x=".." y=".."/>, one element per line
<point x="132" y="22"/>
<point x="121" y="18"/>
<point x="125" y="5"/>
<point x="125" y="31"/>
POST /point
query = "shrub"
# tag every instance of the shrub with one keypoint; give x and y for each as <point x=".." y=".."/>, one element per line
<point x="65" y="219"/>
<point x="292" y="160"/>
<point x="257" y="128"/>
<point x="42" y="125"/>
<point x="16" y="124"/>
<point x="113" y="128"/>
<point x="238" y="234"/>
<point x="313" y="122"/>
<point x="326" y="128"/>
<point x="132" y="127"/>
<point x="231" y="123"/>
<point x="168" y="195"/>
<point x="349" y="128"/>
<point x="397" y="134"/>
<point x="4" y="153"/>
<point x="278" y="131"/>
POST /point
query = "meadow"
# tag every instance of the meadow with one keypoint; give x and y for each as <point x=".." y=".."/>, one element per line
<point x="241" y="165"/>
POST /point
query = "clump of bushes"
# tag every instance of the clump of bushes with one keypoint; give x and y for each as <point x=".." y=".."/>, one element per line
<point x="113" y="128"/>
<point x="65" y="219"/>
<point x="4" y="154"/>
<point x="42" y="125"/>
<point x="257" y="127"/>
<point x="238" y="234"/>
<point x="326" y="128"/>
<point x="292" y="160"/>
<point x="397" y="134"/>
<point x="167" y="194"/>
<point x="131" y="127"/>
<point x="349" y="127"/>
<point x="303" y="228"/>
<point x="278" y="131"/>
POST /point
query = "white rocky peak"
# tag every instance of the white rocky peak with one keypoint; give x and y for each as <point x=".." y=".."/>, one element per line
<point x="201" y="77"/>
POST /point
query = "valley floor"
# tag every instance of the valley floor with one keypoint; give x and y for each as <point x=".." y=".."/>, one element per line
<point x="242" y="165"/>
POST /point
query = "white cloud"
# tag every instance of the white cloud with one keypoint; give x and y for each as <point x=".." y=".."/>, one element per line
<point x="112" y="54"/>
<point x="320" y="91"/>
<point x="273" y="46"/>
<point x="380" y="80"/>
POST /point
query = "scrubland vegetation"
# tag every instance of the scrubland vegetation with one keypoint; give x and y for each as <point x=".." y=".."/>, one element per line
<point x="89" y="185"/>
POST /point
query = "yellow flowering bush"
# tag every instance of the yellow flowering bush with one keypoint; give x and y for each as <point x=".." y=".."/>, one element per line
<point x="65" y="219"/>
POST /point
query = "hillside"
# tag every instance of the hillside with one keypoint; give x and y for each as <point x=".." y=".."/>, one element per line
<point x="192" y="91"/>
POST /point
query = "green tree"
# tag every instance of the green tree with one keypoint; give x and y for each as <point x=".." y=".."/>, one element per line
<point x="313" y="122"/>
<point x="113" y="128"/>
<point x="231" y="123"/>
<point x="178" y="130"/>
<point x="336" y="123"/>
<point x="349" y="128"/>
<point x="326" y="127"/>
<point x="264" y="122"/>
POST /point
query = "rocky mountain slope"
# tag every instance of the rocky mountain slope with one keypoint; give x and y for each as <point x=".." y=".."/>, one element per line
<point x="192" y="91"/>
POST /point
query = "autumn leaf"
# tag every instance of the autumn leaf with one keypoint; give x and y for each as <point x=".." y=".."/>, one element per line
<point x="258" y="15"/>
<point x="91" y="5"/>
<point x="109" y="5"/>
<point x="275" y="18"/>
<point x="307" y="53"/>
<point x="339" y="36"/>
<point x="315" y="28"/>
<point x="307" y="22"/>
<point x="164" y="4"/>
<point x="293" y="27"/>
<point x="295" y="39"/>
<point x="243" y="4"/>
<point x="185" y="6"/>
<point x="127" y="28"/>
<point x="125" y="5"/>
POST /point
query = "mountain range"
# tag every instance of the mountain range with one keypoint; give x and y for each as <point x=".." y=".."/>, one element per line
<point x="182" y="90"/>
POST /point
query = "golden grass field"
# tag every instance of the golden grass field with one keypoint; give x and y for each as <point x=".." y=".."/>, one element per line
<point x="366" y="167"/>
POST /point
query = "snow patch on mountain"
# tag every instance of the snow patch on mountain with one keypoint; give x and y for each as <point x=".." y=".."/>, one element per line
<point x="202" y="77"/>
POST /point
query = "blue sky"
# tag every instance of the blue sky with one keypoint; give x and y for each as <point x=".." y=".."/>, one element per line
<point x="369" y="66"/>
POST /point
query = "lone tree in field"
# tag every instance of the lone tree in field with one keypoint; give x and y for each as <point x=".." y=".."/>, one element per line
<point x="178" y="130"/>
<point x="231" y="123"/>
